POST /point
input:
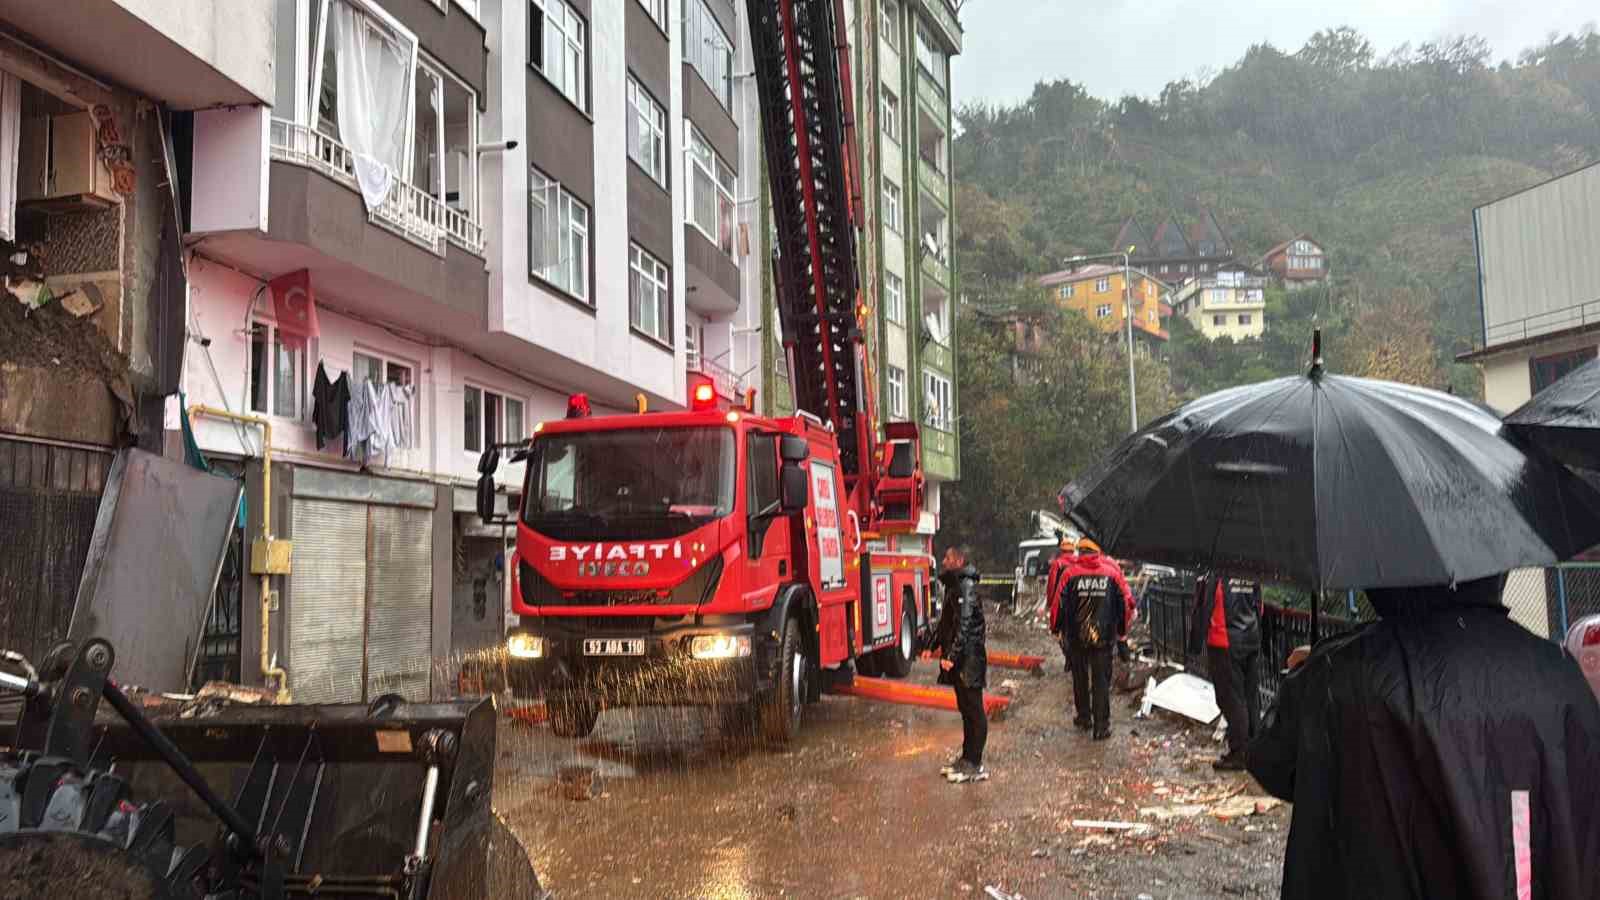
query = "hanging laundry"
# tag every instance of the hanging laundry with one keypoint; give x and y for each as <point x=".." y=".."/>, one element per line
<point x="330" y="402"/>
<point x="359" y="427"/>
<point x="400" y="418"/>
<point x="381" y="440"/>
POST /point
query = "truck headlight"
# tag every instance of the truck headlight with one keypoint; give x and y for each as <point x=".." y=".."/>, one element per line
<point x="525" y="646"/>
<point x="719" y="646"/>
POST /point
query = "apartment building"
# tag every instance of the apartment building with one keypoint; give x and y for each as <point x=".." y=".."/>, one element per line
<point x="1099" y="292"/>
<point x="1231" y="303"/>
<point x="494" y="204"/>
<point x="901" y="64"/>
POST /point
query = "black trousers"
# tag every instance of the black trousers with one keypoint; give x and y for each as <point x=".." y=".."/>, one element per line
<point x="974" y="724"/>
<point x="1234" y="675"/>
<point x="1091" y="684"/>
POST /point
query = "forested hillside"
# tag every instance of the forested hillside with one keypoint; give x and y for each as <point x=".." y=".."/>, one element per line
<point x="1380" y="159"/>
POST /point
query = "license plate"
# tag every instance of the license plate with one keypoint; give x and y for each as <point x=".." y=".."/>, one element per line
<point x="613" y="647"/>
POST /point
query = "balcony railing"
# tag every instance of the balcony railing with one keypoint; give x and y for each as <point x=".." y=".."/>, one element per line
<point x="728" y="383"/>
<point x="409" y="212"/>
<point x="935" y="268"/>
<point x="933" y="181"/>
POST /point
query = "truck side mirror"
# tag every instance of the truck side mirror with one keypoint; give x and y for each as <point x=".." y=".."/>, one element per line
<point x="793" y="449"/>
<point x="486" y="497"/>
<point x="792" y="487"/>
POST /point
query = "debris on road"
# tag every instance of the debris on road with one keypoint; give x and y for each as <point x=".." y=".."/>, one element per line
<point x="1244" y="805"/>
<point x="1187" y="695"/>
<point x="1102" y="825"/>
<point x="1164" y="813"/>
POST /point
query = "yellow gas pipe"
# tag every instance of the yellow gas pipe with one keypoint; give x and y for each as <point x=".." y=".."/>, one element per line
<point x="268" y="670"/>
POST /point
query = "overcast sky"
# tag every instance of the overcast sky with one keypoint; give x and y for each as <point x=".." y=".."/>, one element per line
<point x="1117" y="47"/>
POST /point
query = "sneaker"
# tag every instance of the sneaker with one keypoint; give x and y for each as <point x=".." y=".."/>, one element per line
<point x="1230" y="762"/>
<point x="950" y="766"/>
<point x="965" y="772"/>
<point x="1082" y="724"/>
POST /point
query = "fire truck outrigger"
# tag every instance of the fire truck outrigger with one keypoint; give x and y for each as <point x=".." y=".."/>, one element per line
<point x="714" y="556"/>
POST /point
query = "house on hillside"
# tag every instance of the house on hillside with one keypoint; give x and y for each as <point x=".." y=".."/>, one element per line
<point x="1297" y="262"/>
<point x="1174" y="252"/>
<point x="1097" y="292"/>
<point x="1229" y="303"/>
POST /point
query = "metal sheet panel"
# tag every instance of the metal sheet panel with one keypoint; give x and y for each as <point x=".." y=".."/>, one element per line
<point x="400" y="624"/>
<point x="1539" y="258"/>
<point x="152" y="566"/>
<point x="328" y="609"/>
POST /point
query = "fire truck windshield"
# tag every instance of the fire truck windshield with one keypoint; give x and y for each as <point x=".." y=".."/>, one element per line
<point x="638" y="483"/>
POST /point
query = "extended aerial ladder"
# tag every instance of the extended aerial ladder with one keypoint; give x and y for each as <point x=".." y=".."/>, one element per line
<point x="803" y="79"/>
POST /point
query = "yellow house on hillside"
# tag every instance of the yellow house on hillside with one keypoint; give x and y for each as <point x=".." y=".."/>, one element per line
<point x="1097" y="292"/>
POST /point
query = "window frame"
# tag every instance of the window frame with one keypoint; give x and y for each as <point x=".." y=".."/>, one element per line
<point x="938" y="61"/>
<point x="1103" y="311"/>
<point x="894" y="297"/>
<point x="567" y="235"/>
<point x="892" y="204"/>
<point x="1219" y="320"/>
<point x="887" y="23"/>
<point x="504" y="398"/>
<point x="581" y="70"/>
<point x="274" y="343"/>
<point x="634" y="91"/>
<point x="657" y="11"/>
<point x="1102" y="285"/>
<point x="1244" y="319"/>
<point x="661" y="278"/>
<point x="940" y="415"/>
<point x="897" y="392"/>
<point x="696" y="16"/>
<point x="889" y="110"/>
<point x="1576" y="357"/>
<point x="722" y="179"/>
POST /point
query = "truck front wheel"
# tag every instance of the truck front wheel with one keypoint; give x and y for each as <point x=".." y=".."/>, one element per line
<point x="897" y="660"/>
<point x="780" y="708"/>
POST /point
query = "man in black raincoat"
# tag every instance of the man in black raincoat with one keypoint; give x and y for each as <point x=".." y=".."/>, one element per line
<point x="1443" y="751"/>
<point x="965" y="663"/>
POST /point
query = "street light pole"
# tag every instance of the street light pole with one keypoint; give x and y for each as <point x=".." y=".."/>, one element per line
<point x="1127" y="299"/>
<point x="1127" y="302"/>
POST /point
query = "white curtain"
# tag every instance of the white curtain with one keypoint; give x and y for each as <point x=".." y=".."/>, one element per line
<point x="10" y="131"/>
<point x="374" y="68"/>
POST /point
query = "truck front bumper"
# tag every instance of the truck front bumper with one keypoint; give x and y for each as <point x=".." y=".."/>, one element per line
<point x="654" y="665"/>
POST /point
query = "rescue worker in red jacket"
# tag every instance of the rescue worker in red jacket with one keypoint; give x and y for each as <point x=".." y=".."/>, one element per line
<point x="1096" y="610"/>
<point x="1227" y="621"/>
<point x="1052" y="593"/>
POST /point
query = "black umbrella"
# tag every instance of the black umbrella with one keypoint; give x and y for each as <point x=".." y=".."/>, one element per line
<point x="1564" y="418"/>
<point x="1334" y="482"/>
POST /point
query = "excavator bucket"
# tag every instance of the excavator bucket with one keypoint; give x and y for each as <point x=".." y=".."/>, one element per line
<point x="388" y="801"/>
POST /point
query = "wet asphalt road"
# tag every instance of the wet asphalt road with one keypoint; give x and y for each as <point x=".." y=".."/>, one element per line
<point x="658" y="804"/>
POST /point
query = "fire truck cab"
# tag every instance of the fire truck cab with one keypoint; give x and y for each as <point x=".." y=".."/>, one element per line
<point x="702" y="557"/>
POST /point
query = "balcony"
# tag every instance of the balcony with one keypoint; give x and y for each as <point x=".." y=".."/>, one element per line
<point x="935" y="268"/>
<point x="933" y="182"/>
<point x="929" y="93"/>
<point x="944" y="15"/>
<point x="408" y="212"/>
<point x="728" y="383"/>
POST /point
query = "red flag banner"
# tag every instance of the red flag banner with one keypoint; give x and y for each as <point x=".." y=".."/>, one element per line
<point x="294" y="307"/>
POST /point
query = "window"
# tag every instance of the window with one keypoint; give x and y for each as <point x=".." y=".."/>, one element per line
<point x="891" y="115"/>
<point x="558" y="235"/>
<point x="1102" y="285"/>
<point x="1219" y="321"/>
<point x="894" y="297"/>
<point x="277" y="373"/>
<point x="647" y="132"/>
<point x="1165" y="268"/>
<point x="657" y="10"/>
<point x="1547" y="370"/>
<point x="707" y="48"/>
<point x="930" y="56"/>
<point x="649" y="300"/>
<point x="490" y="418"/>
<point x="1102" y="311"/>
<point x="378" y="370"/>
<point x="1205" y="267"/>
<point x="445" y="140"/>
<point x="555" y="47"/>
<point x="693" y="341"/>
<point x="1183" y="267"/>
<point x="937" y="412"/>
<point x="897" y="393"/>
<point x="1067" y="290"/>
<point x="1244" y="318"/>
<point x="889" y="23"/>
<point x="891" y="206"/>
<point x="710" y="191"/>
<point x="936" y="316"/>
<point x="762" y="495"/>
<point x="387" y="73"/>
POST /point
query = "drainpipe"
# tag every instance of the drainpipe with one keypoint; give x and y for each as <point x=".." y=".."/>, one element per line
<point x="268" y="670"/>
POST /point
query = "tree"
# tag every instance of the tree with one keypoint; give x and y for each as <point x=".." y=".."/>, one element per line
<point x="1339" y="50"/>
<point x="1393" y="339"/>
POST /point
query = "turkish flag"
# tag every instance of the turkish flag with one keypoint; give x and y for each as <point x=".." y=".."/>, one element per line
<point x="294" y="307"/>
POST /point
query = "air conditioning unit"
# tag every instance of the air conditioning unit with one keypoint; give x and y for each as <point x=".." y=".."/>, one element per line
<point x="57" y="165"/>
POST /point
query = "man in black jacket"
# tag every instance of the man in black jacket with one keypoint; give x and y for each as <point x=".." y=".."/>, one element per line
<point x="1227" y="623"/>
<point x="1442" y="751"/>
<point x="965" y="662"/>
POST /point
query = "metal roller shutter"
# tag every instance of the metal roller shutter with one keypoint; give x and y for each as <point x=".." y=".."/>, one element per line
<point x="328" y="607"/>
<point x="400" y="592"/>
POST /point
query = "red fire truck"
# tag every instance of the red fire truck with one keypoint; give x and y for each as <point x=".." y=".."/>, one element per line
<point x="712" y="555"/>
